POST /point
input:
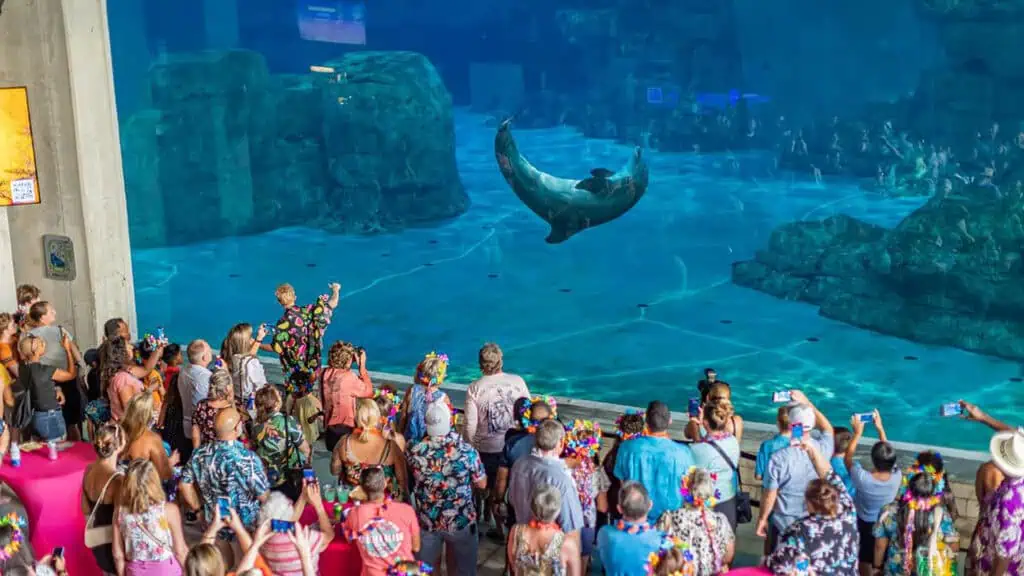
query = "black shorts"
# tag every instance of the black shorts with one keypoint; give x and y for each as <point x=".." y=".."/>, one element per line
<point x="490" y="461"/>
<point x="867" y="542"/>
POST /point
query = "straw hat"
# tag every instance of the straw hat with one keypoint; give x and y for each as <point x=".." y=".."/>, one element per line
<point x="1007" y="450"/>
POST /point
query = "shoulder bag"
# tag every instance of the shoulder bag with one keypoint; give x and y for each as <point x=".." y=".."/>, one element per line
<point x="744" y="510"/>
<point x="103" y="535"/>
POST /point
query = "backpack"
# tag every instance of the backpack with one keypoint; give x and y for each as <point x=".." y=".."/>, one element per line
<point x="247" y="377"/>
<point x="21" y="414"/>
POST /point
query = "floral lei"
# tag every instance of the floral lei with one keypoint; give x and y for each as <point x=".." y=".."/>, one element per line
<point x="693" y="501"/>
<point x="618" y="424"/>
<point x="404" y="567"/>
<point x="392" y="397"/>
<point x="582" y="439"/>
<point x="669" y="543"/>
<point x="17" y="537"/>
<point x="527" y="419"/>
<point x="442" y="370"/>
<point x="632" y="527"/>
<point x="916" y="505"/>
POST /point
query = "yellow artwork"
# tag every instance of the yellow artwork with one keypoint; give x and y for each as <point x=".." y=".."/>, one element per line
<point x="18" y="181"/>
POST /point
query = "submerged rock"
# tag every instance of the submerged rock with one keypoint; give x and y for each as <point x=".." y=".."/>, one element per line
<point x="949" y="274"/>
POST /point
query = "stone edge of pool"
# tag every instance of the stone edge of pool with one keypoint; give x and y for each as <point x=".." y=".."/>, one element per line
<point x="961" y="465"/>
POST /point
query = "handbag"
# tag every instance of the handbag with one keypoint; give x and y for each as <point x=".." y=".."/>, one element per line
<point x="96" y="537"/>
<point x="744" y="510"/>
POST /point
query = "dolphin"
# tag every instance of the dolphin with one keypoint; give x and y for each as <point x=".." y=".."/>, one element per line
<point x="570" y="206"/>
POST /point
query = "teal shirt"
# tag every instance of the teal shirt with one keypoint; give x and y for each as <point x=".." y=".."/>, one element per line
<point x="840" y="467"/>
<point x="659" y="464"/>
<point x="625" y="554"/>
<point x="764" y="453"/>
<point x="708" y="458"/>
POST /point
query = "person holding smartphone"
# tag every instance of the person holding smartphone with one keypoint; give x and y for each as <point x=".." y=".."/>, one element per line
<point x="279" y="550"/>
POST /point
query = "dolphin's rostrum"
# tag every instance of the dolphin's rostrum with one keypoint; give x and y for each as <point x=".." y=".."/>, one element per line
<point x="570" y="206"/>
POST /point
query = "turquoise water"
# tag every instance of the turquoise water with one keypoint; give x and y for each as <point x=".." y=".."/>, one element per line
<point x="627" y="312"/>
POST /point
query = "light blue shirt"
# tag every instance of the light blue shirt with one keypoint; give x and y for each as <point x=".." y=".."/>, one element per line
<point x="872" y="493"/>
<point x="659" y="464"/>
<point x="705" y="455"/>
<point x="839" y="465"/>
<point x="789" y="472"/>
<point x="534" y="470"/>
<point x="194" y="387"/>
<point x="625" y="554"/>
<point x="764" y="453"/>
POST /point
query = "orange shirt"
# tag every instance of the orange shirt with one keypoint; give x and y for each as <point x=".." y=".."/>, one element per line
<point x="383" y="534"/>
<point x="9" y="354"/>
<point x="260" y="565"/>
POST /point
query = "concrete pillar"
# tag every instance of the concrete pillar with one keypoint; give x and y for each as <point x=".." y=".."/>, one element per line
<point x="220" y="20"/>
<point x="60" y="50"/>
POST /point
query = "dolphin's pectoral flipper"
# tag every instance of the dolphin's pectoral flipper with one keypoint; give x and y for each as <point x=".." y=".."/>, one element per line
<point x="559" y="233"/>
<point x="598" y="181"/>
<point x="602" y="173"/>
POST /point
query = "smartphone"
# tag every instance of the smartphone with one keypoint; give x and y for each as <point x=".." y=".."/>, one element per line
<point x="308" y="475"/>
<point x="281" y="526"/>
<point x="865" y="416"/>
<point x="225" y="507"/>
<point x="951" y="409"/>
<point x="782" y="397"/>
<point x="798" y="432"/>
<point x="160" y="336"/>
<point x="58" y="552"/>
<point x="694" y="407"/>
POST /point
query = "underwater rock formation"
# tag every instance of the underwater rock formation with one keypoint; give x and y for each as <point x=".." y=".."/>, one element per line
<point x="949" y="274"/>
<point x="229" y="149"/>
<point x="389" y="141"/>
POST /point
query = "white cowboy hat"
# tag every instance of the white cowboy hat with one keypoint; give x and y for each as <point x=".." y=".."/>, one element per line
<point x="1007" y="450"/>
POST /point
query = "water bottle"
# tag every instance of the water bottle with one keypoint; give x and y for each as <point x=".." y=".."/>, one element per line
<point x="51" y="448"/>
<point x="15" y="455"/>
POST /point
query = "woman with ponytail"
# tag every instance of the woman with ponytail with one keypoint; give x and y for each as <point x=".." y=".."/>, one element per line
<point x="426" y="389"/>
<point x="711" y="538"/>
<point x="915" y="535"/>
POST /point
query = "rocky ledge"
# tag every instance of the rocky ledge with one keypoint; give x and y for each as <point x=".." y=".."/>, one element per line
<point x="948" y="274"/>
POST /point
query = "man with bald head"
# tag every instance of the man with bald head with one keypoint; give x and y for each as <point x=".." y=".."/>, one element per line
<point x="225" y="469"/>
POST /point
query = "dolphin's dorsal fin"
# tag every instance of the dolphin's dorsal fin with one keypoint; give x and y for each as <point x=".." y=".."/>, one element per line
<point x="601" y="173"/>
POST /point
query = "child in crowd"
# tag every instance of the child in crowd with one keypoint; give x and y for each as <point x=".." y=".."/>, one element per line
<point x="27" y="296"/>
<point x="172" y="362"/>
<point x="842" y="437"/>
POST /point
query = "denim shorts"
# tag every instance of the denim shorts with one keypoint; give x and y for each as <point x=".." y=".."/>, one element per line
<point x="49" y="425"/>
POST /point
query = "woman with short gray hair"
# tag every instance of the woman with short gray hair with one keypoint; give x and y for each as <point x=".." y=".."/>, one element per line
<point x="708" y="532"/>
<point x="541" y="547"/>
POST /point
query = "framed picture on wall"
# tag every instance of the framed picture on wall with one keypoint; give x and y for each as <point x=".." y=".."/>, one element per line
<point x="19" y="183"/>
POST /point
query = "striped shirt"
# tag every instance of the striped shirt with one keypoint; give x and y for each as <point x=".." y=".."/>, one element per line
<point x="283" y="558"/>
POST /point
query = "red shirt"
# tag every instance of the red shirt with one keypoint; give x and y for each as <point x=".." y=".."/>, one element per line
<point x="383" y="532"/>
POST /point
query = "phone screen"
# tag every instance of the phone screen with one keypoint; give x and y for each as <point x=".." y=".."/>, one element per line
<point x="866" y="417"/>
<point x="308" y="475"/>
<point x="694" y="407"/>
<point x="782" y="396"/>
<point x="225" y="507"/>
<point x="798" y="432"/>
<point x="281" y="525"/>
<point x="951" y="409"/>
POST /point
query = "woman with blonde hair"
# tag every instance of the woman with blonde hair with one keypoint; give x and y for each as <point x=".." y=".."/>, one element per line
<point x="718" y="451"/>
<point x="148" y="538"/>
<point x="367" y="446"/>
<point x="277" y="439"/>
<point x="340" y="386"/>
<point x="430" y="375"/>
<point x="247" y="375"/>
<point x="141" y="442"/>
<point x="708" y="533"/>
<point x="205" y="414"/>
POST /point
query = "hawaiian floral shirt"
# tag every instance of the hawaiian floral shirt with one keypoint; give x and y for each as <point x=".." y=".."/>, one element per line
<point x="1001" y="530"/>
<point x="444" y="470"/>
<point x="298" y="340"/>
<point x="277" y="442"/>
<point x="228" y="470"/>
<point x="940" y="561"/>
<point x="818" y="544"/>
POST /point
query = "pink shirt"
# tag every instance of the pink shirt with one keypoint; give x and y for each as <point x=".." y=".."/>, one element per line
<point x="489" y="403"/>
<point x="120" y="381"/>
<point x="341" y="388"/>
<point x="383" y="533"/>
<point x="283" y="558"/>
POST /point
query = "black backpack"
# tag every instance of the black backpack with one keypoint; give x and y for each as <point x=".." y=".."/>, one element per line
<point x="21" y="414"/>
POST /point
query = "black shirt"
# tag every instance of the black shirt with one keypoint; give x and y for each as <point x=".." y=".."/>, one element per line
<point x="38" y="380"/>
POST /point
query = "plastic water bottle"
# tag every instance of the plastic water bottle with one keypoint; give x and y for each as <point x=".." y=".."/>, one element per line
<point x="15" y="455"/>
<point x="51" y="448"/>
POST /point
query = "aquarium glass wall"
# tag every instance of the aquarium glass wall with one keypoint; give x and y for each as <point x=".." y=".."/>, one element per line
<point x="826" y="195"/>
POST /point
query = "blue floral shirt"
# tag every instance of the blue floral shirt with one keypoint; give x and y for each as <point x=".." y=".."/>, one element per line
<point x="228" y="470"/>
<point x="444" y="470"/>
